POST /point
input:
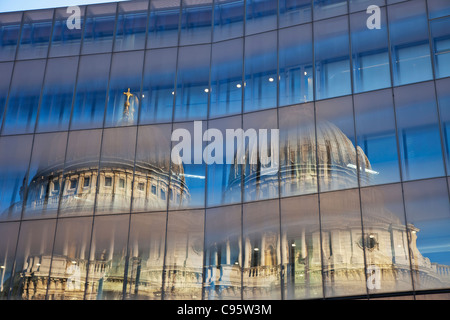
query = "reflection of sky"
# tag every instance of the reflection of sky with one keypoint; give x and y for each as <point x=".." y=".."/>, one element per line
<point x="21" y="5"/>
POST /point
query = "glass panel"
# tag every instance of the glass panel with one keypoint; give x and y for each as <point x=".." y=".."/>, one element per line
<point x="26" y="83"/>
<point x="67" y="33"/>
<point x="116" y="164"/>
<point x="438" y="8"/>
<point x="70" y="259"/>
<point x="36" y="32"/>
<point x="80" y="173"/>
<point x="370" y="53"/>
<point x="131" y="26"/>
<point x="295" y="63"/>
<point x="297" y="150"/>
<point x="158" y="87"/>
<point x="362" y="5"/>
<point x="440" y="35"/>
<point x="8" y="241"/>
<point x="429" y="233"/>
<point x="151" y="175"/>
<point x="444" y="108"/>
<point x="196" y="22"/>
<point x="294" y="12"/>
<point x="192" y="82"/>
<point x="385" y="240"/>
<point x="224" y="174"/>
<point x="9" y="34"/>
<point x="260" y="71"/>
<point x="57" y="96"/>
<point x="228" y="19"/>
<point x="377" y="142"/>
<point x="107" y="258"/>
<point x="184" y="255"/>
<point x="410" y="46"/>
<point x="45" y="175"/>
<point x="261" y="166"/>
<point x="163" y="23"/>
<point x="187" y="179"/>
<point x="343" y="258"/>
<point x="124" y="89"/>
<point x="418" y="129"/>
<point x="336" y="145"/>
<point x="261" y="15"/>
<point x="261" y="242"/>
<point x="301" y="247"/>
<point x="89" y="105"/>
<point x="329" y="8"/>
<point x="226" y="78"/>
<point x="146" y="256"/>
<point x="33" y="258"/>
<point x="99" y="28"/>
<point x="6" y="71"/>
<point x="223" y="250"/>
<point x="14" y="158"/>
<point x="331" y="49"/>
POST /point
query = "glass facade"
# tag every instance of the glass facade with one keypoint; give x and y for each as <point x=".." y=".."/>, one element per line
<point x="94" y="206"/>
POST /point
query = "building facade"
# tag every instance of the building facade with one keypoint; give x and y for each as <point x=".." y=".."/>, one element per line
<point x="93" y="205"/>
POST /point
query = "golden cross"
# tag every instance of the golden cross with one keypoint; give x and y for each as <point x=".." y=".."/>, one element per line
<point x="129" y="95"/>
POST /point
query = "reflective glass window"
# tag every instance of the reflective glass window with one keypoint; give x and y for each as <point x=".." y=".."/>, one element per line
<point x="124" y="89"/>
<point x="301" y="248"/>
<point x="107" y="258"/>
<point x="57" y="95"/>
<point x="336" y="145"/>
<point x="224" y="173"/>
<point x="226" y="78"/>
<point x="295" y="64"/>
<point x="8" y="239"/>
<point x="223" y="254"/>
<point x="187" y="179"/>
<point x="116" y="163"/>
<point x="261" y="247"/>
<point x="33" y="259"/>
<point x="67" y="32"/>
<point x="418" y="130"/>
<point x="444" y="109"/>
<point x="440" y="37"/>
<point x="260" y="165"/>
<point x="36" y="32"/>
<point x="90" y="98"/>
<point x="294" y="12"/>
<point x="146" y="256"/>
<point x="298" y="168"/>
<point x="70" y="260"/>
<point x="14" y="158"/>
<point x="377" y="143"/>
<point x="163" y="23"/>
<point x="9" y="35"/>
<point x="45" y="175"/>
<point x="159" y="86"/>
<point x="260" y="71"/>
<point x="131" y="26"/>
<point x="99" y="28"/>
<point x="332" y="58"/>
<point x="196" y="19"/>
<point x="6" y="71"/>
<point x="370" y="53"/>
<point x="192" y="92"/>
<point x="362" y="5"/>
<point x="428" y="217"/>
<point x="410" y="46"/>
<point x="342" y="247"/>
<point x="228" y="19"/>
<point x="385" y="240"/>
<point x="152" y="169"/>
<point x="82" y="161"/>
<point x="329" y="8"/>
<point x="184" y="255"/>
<point x="261" y="15"/>
<point x="26" y="84"/>
<point x="438" y="8"/>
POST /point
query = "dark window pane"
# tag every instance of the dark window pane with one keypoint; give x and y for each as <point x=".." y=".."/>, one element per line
<point x="8" y="240"/>
<point x="362" y="5"/>
<point x="196" y="22"/>
<point x="66" y="41"/>
<point x="440" y="37"/>
<point x="36" y="31"/>
<point x="261" y="15"/>
<point x="418" y="130"/>
<point x="294" y="12"/>
<point x="99" y="28"/>
<point x="329" y="8"/>
<point x="9" y="34"/>
<point x="443" y="94"/>
<point x="131" y="25"/>
<point x="228" y="19"/>
<point x="5" y="79"/>
<point x="163" y="23"/>
<point x="438" y="8"/>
